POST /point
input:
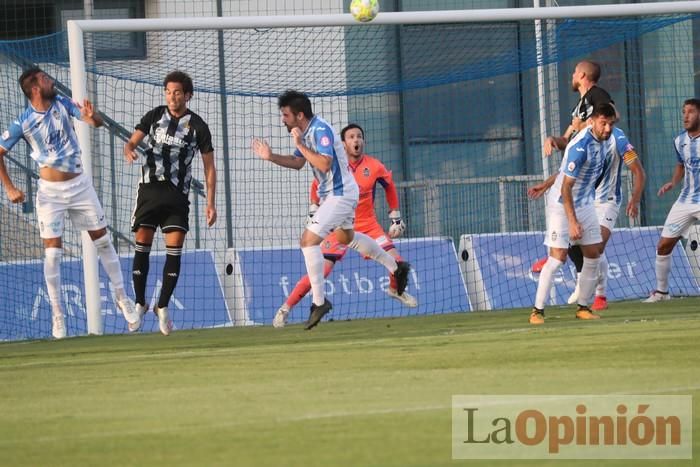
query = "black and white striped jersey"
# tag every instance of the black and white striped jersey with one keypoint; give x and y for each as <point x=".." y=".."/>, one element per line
<point x="594" y="96"/>
<point x="172" y="144"/>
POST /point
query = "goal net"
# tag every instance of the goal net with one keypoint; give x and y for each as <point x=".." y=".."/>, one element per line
<point x="456" y="110"/>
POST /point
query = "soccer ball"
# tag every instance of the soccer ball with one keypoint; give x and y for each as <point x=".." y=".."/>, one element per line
<point x="364" y="10"/>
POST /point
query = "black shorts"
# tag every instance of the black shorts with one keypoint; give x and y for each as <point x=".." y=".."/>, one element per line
<point x="161" y="204"/>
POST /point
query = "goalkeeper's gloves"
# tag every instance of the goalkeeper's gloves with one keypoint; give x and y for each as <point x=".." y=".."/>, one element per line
<point x="397" y="227"/>
<point x="313" y="207"/>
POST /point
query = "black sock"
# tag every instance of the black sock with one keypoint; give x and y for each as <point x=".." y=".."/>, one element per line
<point x="171" y="272"/>
<point x="576" y="256"/>
<point x="139" y="271"/>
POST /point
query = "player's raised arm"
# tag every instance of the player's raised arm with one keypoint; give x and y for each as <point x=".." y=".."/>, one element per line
<point x="320" y="161"/>
<point x="262" y="149"/>
<point x="89" y="115"/>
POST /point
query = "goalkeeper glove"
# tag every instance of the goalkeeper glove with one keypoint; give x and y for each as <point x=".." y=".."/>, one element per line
<point x="312" y="211"/>
<point x="397" y="227"/>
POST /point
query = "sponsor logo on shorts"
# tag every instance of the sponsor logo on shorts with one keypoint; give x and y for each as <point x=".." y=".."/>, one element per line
<point x="571" y="166"/>
<point x="554" y="236"/>
<point x="325" y="141"/>
<point x="6" y="135"/>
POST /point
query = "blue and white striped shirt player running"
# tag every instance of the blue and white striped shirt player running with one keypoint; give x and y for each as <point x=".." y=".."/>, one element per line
<point x="50" y="134"/>
<point x="584" y="160"/>
<point x="323" y="139"/>
<point x="688" y="153"/>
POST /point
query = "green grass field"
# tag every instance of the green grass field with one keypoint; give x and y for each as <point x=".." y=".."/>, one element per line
<point x="362" y="393"/>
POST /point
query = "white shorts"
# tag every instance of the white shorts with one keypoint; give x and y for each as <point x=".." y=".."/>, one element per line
<point x="334" y="212"/>
<point x="679" y="219"/>
<point x="607" y="214"/>
<point x="557" y="235"/>
<point x="76" y="197"/>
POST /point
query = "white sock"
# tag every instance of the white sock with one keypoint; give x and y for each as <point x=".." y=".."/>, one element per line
<point x="663" y="269"/>
<point x="110" y="261"/>
<point x="52" y="276"/>
<point x="314" y="268"/>
<point x="602" y="276"/>
<point x="544" y="285"/>
<point x="366" y="246"/>
<point x="587" y="280"/>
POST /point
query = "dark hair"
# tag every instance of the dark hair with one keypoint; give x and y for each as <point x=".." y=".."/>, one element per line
<point x="350" y="127"/>
<point x="604" y="110"/>
<point x="181" y="77"/>
<point x="28" y="79"/>
<point x="297" y="101"/>
<point x="591" y="69"/>
<point x="692" y="101"/>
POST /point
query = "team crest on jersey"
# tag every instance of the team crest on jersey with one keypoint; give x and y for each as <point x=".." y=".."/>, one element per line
<point x="365" y="172"/>
<point x="325" y="141"/>
<point x="571" y="166"/>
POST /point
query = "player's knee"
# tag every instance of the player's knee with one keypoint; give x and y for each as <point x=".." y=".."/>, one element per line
<point x="53" y="242"/>
<point x="665" y="246"/>
<point x="308" y="238"/>
<point x="558" y="253"/>
<point x="97" y="234"/>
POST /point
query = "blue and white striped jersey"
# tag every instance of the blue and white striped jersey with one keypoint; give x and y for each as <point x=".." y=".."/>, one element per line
<point x="609" y="187"/>
<point x="324" y="139"/>
<point x="50" y="134"/>
<point x="688" y="153"/>
<point x="584" y="160"/>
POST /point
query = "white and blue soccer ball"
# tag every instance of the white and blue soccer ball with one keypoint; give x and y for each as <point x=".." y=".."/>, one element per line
<point x="364" y="10"/>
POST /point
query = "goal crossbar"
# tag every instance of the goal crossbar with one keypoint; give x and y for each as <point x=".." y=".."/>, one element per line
<point x="387" y="18"/>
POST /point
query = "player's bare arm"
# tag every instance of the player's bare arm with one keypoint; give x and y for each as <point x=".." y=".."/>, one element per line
<point x="575" y="230"/>
<point x="90" y="115"/>
<point x="210" y="176"/>
<point x="13" y="194"/>
<point x="560" y="142"/>
<point x="263" y="151"/>
<point x="540" y="189"/>
<point x="678" y="174"/>
<point x="639" y="179"/>
<point x="131" y="145"/>
<point x="320" y="161"/>
<point x="554" y="142"/>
